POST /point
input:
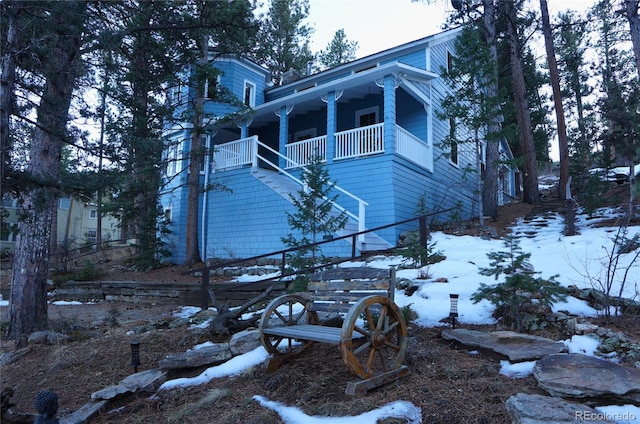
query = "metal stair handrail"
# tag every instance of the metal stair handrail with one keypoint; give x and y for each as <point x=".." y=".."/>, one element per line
<point x="423" y="228"/>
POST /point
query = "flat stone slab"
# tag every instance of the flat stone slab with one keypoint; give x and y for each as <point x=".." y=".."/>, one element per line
<point x="142" y="381"/>
<point x="84" y="413"/>
<point x="517" y="347"/>
<point x="581" y="376"/>
<point x="537" y="409"/>
<point x="207" y="355"/>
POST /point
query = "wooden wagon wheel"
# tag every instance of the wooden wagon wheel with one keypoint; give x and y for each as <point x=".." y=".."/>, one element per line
<point x="374" y="337"/>
<point x="285" y="311"/>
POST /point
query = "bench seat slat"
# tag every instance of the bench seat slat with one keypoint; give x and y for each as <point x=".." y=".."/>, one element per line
<point x="329" y="307"/>
<point x="379" y="284"/>
<point x="349" y="273"/>
<point x="343" y="296"/>
<point x="314" y="333"/>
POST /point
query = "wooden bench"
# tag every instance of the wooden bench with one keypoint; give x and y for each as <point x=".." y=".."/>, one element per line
<point x="373" y="336"/>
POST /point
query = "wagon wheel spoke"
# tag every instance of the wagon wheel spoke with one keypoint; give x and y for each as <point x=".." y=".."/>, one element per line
<point x="279" y="315"/>
<point x="370" y="359"/>
<point x="377" y="346"/>
<point x="390" y="328"/>
<point x="300" y="315"/>
<point x="369" y="318"/>
<point x="383" y="360"/>
<point x="392" y="345"/>
<point x="281" y="312"/>
<point x="362" y="331"/>
<point x="365" y="346"/>
<point x="381" y="318"/>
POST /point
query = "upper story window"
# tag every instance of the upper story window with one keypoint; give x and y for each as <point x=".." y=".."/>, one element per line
<point x="173" y="160"/>
<point x="9" y="201"/>
<point x="93" y="214"/>
<point x="366" y="117"/>
<point x="453" y="152"/>
<point x="449" y="60"/>
<point x="64" y="202"/>
<point x="175" y="94"/>
<point x="203" y="149"/>
<point x="249" y="94"/>
<point x="211" y="87"/>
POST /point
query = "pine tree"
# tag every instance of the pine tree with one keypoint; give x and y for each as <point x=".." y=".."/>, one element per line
<point x="472" y="104"/>
<point x="314" y="218"/>
<point x="340" y="50"/>
<point x="571" y="42"/>
<point x="521" y="300"/>
<point x="58" y="53"/>
<point x="521" y="102"/>
<point x="284" y="40"/>
<point x="227" y="27"/>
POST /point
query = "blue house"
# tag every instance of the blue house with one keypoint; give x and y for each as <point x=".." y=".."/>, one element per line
<point x="375" y="123"/>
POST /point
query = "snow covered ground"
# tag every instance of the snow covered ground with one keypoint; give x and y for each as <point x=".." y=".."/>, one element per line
<point x="579" y="260"/>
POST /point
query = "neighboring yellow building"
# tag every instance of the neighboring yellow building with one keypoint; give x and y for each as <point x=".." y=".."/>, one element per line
<point x="77" y="222"/>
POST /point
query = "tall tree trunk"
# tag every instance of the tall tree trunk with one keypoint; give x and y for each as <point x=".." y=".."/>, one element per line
<point x="490" y="178"/>
<point x="527" y="145"/>
<point x="557" y="100"/>
<point x="28" y="298"/>
<point x="196" y="157"/>
<point x="631" y="11"/>
<point x="7" y="82"/>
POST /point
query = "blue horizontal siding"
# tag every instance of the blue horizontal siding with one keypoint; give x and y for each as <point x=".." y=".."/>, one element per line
<point x="251" y="219"/>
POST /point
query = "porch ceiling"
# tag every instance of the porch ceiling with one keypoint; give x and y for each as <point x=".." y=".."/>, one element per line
<point x="354" y="86"/>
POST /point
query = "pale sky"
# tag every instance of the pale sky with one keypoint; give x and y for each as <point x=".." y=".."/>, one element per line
<point x="378" y="25"/>
<point x="381" y="24"/>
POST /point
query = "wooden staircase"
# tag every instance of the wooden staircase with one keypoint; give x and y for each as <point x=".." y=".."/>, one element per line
<point x="287" y="188"/>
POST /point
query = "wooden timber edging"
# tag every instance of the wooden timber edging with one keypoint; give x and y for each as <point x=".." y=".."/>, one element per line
<point x="163" y="293"/>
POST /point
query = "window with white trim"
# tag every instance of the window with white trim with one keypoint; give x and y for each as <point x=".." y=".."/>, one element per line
<point x="93" y="214"/>
<point x="305" y="134"/>
<point x="211" y="87"/>
<point x="175" y="94"/>
<point x="366" y="117"/>
<point x="453" y="142"/>
<point x="249" y="94"/>
<point x="173" y="159"/>
<point x="64" y="202"/>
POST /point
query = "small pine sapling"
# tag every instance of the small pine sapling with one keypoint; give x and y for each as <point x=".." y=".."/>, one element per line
<point x="521" y="300"/>
<point x="313" y="218"/>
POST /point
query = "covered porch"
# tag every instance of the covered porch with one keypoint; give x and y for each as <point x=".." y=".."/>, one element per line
<point x="354" y="143"/>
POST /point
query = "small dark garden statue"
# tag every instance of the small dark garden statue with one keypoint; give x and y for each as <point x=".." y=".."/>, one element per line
<point x="47" y="406"/>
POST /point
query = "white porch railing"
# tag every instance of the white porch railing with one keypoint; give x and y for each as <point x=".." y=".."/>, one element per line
<point x="352" y="143"/>
<point x="361" y="141"/>
<point x="302" y="152"/>
<point x="234" y="154"/>
<point x="411" y="147"/>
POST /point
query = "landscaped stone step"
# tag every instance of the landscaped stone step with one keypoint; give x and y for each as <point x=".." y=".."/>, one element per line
<point x="581" y="376"/>
<point x="517" y="347"/>
<point x="537" y="409"/>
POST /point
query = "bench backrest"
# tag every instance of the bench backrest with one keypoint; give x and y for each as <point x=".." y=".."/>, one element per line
<point x="336" y="290"/>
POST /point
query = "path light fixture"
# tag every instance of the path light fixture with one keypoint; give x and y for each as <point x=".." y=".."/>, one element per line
<point x="135" y="355"/>
<point x="453" y="311"/>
